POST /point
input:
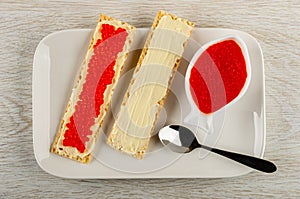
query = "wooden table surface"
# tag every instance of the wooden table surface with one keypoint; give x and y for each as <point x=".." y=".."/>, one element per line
<point x="276" y="25"/>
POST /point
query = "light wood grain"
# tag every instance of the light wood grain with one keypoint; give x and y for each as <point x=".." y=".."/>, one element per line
<point x="276" y="25"/>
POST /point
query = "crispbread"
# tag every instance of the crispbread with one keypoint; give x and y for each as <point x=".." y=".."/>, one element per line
<point x="72" y="152"/>
<point x="125" y="135"/>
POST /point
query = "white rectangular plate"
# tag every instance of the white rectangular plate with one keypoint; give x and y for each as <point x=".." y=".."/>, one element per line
<point x="56" y="62"/>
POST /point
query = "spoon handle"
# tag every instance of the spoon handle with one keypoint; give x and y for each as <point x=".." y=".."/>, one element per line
<point x="253" y="162"/>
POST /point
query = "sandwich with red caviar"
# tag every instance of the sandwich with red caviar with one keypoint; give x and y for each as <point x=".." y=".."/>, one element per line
<point x="92" y="92"/>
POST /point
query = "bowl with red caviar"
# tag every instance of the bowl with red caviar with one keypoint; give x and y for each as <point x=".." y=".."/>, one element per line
<point x="218" y="75"/>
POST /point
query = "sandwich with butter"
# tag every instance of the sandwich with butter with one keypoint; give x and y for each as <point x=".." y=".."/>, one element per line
<point x="149" y="86"/>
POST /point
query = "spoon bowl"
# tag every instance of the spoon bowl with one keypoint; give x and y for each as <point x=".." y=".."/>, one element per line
<point x="177" y="138"/>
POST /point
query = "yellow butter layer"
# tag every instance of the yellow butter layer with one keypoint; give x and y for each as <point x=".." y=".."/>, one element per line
<point x="138" y="113"/>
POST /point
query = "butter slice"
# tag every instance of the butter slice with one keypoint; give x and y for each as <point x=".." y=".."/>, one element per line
<point x="149" y="86"/>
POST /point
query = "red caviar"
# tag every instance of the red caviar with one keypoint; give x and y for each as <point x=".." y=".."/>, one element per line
<point x="99" y="75"/>
<point x="218" y="76"/>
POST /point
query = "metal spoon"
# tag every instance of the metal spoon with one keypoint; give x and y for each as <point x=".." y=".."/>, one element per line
<point x="181" y="139"/>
